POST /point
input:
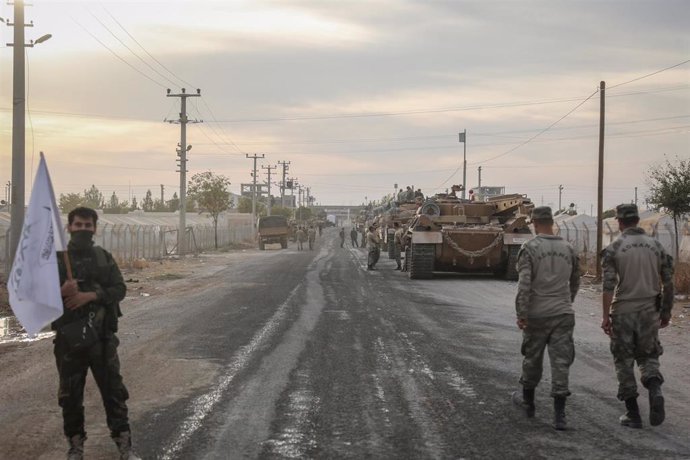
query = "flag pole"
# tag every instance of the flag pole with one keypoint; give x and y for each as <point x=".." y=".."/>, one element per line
<point x="68" y="265"/>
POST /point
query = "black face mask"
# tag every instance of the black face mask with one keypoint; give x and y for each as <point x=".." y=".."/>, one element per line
<point x="81" y="239"/>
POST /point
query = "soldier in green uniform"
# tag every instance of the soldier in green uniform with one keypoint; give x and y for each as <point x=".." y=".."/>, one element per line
<point x="85" y="336"/>
<point x="398" y="244"/>
<point x="373" y="243"/>
<point x="637" y="301"/>
<point x="549" y="278"/>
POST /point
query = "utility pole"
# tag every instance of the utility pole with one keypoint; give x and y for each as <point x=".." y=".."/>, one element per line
<point x="635" y="196"/>
<point x="560" y="192"/>
<point x="286" y="166"/>
<point x="480" y="177"/>
<point x="182" y="154"/>
<point x="463" y="139"/>
<point x="600" y="185"/>
<point x="309" y="197"/>
<point x="254" y="157"/>
<point x="162" y="194"/>
<point x="17" y="186"/>
<point x="268" y="173"/>
<point x="293" y="180"/>
<point x="8" y="194"/>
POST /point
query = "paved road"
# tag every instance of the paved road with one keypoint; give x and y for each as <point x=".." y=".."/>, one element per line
<point x="287" y="354"/>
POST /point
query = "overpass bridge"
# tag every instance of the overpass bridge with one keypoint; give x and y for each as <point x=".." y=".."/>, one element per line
<point x="343" y="214"/>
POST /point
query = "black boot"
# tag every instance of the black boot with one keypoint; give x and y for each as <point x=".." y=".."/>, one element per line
<point x="526" y="402"/>
<point x="631" y="418"/>
<point x="656" y="402"/>
<point x="76" y="447"/>
<point x="124" y="446"/>
<point x="559" y="413"/>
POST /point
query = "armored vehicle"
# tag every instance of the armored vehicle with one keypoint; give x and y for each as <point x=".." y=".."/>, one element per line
<point x="455" y="235"/>
<point x="272" y="229"/>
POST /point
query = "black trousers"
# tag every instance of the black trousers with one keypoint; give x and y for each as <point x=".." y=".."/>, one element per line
<point x="104" y="363"/>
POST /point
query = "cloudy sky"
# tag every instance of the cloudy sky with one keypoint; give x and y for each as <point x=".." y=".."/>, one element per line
<point x="357" y="95"/>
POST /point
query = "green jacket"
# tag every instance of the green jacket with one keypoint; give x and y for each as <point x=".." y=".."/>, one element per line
<point x="96" y="271"/>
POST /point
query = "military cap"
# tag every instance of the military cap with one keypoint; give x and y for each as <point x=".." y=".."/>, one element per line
<point x="626" y="211"/>
<point x="542" y="213"/>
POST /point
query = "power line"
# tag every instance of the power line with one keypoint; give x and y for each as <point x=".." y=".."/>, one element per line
<point x="650" y="74"/>
<point x="427" y="111"/>
<point x="131" y="50"/>
<point x="117" y="55"/>
<point x="145" y="50"/>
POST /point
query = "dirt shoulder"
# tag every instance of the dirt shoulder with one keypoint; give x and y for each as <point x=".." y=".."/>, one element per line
<point x="144" y="278"/>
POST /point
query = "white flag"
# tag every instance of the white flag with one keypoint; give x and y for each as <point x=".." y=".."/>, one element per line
<point x="34" y="282"/>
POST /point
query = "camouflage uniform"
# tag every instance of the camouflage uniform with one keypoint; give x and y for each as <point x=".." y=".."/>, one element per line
<point x="635" y="266"/>
<point x="96" y="271"/>
<point x="311" y="234"/>
<point x="373" y="242"/>
<point x="301" y="238"/>
<point x="549" y="278"/>
<point x="398" y="244"/>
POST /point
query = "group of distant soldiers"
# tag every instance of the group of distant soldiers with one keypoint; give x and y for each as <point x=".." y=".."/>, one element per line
<point x="409" y="195"/>
<point x="637" y="302"/>
<point x="308" y="235"/>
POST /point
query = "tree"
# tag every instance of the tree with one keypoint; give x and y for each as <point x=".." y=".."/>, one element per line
<point x="280" y="211"/>
<point x="93" y="198"/>
<point x="210" y="191"/>
<point x="115" y="206"/>
<point x="174" y="203"/>
<point x="134" y="206"/>
<point x="302" y="214"/>
<point x="669" y="190"/>
<point x="70" y="201"/>
<point x="245" y="206"/>
<point x="147" y="202"/>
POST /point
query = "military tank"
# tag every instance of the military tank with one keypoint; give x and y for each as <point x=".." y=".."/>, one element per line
<point x="449" y="234"/>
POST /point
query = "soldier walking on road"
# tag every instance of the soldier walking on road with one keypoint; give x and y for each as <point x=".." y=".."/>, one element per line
<point x="398" y="243"/>
<point x="549" y="278"/>
<point x="311" y="234"/>
<point x="301" y="238"/>
<point x="353" y="237"/>
<point x="373" y="242"/>
<point x="91" y="303"/>
<point x="635" y="269"/>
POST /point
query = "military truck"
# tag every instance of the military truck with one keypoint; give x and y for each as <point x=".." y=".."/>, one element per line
<point x="449" y="234"/>
<point x="272" y="229"/>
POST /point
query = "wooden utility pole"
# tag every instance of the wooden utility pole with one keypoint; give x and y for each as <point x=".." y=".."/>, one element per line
<point x="600" y="190"/>
<point x="182" y="150"/>
<point x="254" y="157"/>
<point x="286" y="166"/>
<point x="269" y="169"/>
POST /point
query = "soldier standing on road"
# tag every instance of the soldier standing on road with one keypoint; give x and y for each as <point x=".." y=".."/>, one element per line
<point x="353" y="237"/>
<point x="635" y="269"/>
<point x="342" y="236"/>
<point x="373" y="242"/>
<point x="301" y="238"/>
<point x="311" y="234"/>
<point x="549" y="278"/>
<point x="91" y="301"/>
<point x="364" y="237"/>
<point x="398" y="243"/>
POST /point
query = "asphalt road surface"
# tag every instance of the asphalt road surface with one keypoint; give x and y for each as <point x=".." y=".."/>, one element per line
<point x="287" y="354"/>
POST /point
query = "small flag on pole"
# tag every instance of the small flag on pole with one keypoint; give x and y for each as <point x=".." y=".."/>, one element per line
<point x="34" y="282"/>
<point x="462" y="137"/>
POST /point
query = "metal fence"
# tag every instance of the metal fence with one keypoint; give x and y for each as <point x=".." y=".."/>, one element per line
<point x="583" y="235"/>
<point x="128" y="242"/>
